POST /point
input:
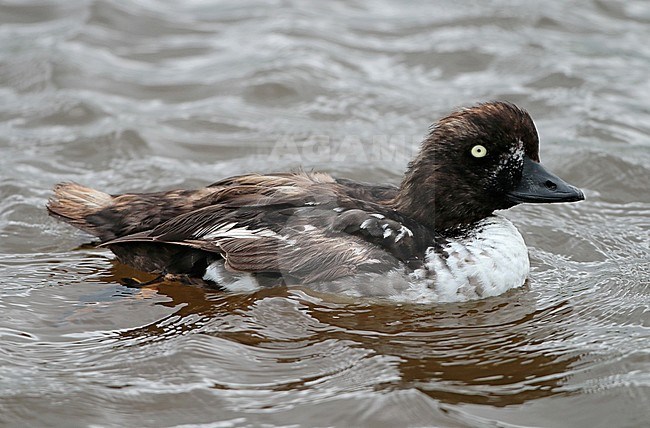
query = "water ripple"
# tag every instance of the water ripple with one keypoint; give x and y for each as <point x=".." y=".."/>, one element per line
<point x="144" y="95"/>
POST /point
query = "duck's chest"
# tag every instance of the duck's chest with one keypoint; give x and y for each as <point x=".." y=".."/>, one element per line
<point x="486" y="261"/>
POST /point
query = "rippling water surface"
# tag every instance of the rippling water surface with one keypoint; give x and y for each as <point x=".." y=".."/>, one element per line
<point x="149" y="95"/>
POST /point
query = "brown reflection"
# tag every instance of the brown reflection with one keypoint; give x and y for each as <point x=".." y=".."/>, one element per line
<point x="189" y="300"/>
<point x="497" y="351"/>
<point x="486" y="352"/>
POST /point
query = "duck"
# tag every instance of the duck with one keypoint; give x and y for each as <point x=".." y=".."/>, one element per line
<point x="436" y="237"/>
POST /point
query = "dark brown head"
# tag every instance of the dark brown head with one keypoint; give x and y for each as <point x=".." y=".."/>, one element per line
<point x="475" y="161"/>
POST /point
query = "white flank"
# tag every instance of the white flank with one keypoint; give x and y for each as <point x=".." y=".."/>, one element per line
<point x="235" y="283"/>
<point x="487" y="263"/>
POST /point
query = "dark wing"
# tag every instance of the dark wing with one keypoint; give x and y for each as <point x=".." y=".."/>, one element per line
<point x="303" y="244"/>
<point x="271" y="241"/>
<point x="112" y="216"/>
<point x="304" y="226"/>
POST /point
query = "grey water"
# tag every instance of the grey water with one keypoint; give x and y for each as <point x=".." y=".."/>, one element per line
<point x="145" y="95"/>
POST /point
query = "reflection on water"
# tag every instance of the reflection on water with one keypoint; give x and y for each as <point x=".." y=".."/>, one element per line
<point x="141" y="96"/>
<point x="501" y="351"/>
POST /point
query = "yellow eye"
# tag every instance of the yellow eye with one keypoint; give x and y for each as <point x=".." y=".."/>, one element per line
<point x="478" y="151"/>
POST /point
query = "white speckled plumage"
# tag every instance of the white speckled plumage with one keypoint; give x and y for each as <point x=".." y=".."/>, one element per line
<point x="489" y="260"/>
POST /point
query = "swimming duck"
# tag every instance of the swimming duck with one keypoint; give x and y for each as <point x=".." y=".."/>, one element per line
<point x="433" y="238"/>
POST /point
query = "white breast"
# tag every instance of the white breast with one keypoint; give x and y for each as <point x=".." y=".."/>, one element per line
<point x="484" y="263"/>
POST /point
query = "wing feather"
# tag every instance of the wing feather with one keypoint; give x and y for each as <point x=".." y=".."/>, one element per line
<point x="306" y="227"/>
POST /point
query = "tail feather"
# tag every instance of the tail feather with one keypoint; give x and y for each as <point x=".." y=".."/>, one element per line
<point x="74" y="204"/>
<point x="109" y="217"/>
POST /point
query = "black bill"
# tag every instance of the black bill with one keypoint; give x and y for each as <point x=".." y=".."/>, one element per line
<point x="537" y="185"/>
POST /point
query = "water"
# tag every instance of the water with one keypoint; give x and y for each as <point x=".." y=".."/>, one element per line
<point x="150" y="95"/>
